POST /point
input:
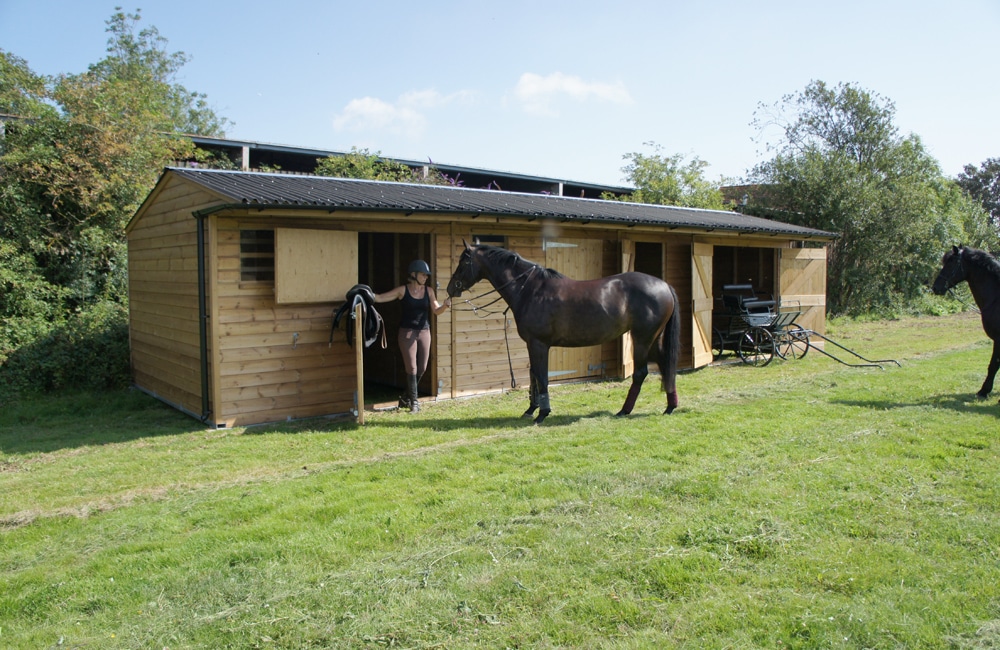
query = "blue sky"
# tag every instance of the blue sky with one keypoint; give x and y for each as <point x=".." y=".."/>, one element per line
<point x="561" y="89"/>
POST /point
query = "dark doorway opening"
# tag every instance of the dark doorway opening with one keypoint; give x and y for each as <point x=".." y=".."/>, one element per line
<point x="744" y="265"/>
<point x="649" y="258"/>
<point x="383" y="258"/>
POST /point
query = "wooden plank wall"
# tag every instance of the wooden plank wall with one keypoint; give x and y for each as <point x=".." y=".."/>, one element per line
<point x="275" y="361"/>
<point x="444" y="256"/>
<point x="163" y="297"/>
<point x="470" y="348"/>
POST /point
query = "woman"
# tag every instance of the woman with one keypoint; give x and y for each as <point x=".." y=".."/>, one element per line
<point x="415" y="326"/>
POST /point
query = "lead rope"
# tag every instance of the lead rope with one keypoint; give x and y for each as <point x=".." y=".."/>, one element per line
<point x="951" y="292"/>
<point x="506" y="338"/>
<point x="510" y="363"/>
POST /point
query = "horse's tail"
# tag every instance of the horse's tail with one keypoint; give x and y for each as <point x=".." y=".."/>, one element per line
<point x="669" y="353"/>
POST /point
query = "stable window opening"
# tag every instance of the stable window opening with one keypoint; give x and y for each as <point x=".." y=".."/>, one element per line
<point x="257" y="256"/>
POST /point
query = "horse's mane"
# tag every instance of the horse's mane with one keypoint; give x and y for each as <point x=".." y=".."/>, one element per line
<point x="982" y="260"/>
<point x="499" y="255"/>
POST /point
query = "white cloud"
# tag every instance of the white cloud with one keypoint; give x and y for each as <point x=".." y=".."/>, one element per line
<point x="406" y="116"/>
<point x="537" y="93"/>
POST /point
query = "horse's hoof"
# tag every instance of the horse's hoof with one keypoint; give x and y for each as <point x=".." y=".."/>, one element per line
<point x="982" y="395"/>
<point x="541" y="416"/>
<point x="622" y="413"/>
<point x="670" y="409"/>
<point x="529" y="413"/>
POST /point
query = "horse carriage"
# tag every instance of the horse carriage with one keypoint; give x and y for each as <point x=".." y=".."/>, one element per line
<point x="753" y="327"/>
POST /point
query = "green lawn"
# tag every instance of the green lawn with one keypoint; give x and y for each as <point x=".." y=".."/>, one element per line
<point x="804" y="504"/>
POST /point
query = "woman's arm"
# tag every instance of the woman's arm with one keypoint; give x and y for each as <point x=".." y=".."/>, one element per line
<point x="392" y="294"/>
<point x="436" y="307"/>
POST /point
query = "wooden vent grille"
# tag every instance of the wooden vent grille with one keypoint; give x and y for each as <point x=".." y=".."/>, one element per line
<point x="257" y="255"/>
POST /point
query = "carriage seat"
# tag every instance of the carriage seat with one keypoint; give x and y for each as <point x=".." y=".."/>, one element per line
<point x="758" y="306"/>
<point x="741" y="304"/>
<point x="742" y="298"/>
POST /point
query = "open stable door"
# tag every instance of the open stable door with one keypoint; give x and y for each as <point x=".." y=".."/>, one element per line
<point x="628" y="264"/>
<point x="314" y="265"/>
<point x="701" y="304"/>
<point x="802" y="286"/>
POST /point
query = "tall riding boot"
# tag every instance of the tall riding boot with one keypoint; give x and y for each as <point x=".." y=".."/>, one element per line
<point x="412" y="382"/>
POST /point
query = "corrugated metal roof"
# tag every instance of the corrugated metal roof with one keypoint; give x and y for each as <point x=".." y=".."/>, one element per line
<point x="264" y="190"/>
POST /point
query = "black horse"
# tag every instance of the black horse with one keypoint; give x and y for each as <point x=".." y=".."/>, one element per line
<point x="982" y="271"/>
<point x="553" y="310"/>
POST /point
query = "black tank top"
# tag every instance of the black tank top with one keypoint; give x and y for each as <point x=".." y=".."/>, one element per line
<point x="415" y="310"/>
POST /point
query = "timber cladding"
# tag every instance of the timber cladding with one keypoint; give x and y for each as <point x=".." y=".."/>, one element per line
<point x="274" y="275"/>
<point x="275" y="362"/>
<point x="163" y="296"/>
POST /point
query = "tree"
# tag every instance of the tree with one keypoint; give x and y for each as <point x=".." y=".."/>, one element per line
<point x="22" y="92"/>
<point x="76" y="167"/>
<point x="668" y="180"/>
<point x="362" y="164"/>
<point x="841" y="165"/>
<point x="983" y="185"/>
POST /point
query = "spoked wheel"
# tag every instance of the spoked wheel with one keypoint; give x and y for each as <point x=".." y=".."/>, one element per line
<point x="793" y="342"/>
<point x="756" y="347"/>
<point x="718" y="344"/>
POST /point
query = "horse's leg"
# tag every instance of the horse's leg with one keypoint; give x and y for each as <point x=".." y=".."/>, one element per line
<point x="538" y="354"/>
<point x="640" y="362"/>
<point x="991" y="372"/>
<point x="532" y="396"/>
<point x="638" y="376"/>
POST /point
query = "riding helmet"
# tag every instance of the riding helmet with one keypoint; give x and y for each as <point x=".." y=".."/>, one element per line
<point x="419" y="266"/>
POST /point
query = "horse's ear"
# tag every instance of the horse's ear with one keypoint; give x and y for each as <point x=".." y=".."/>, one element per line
<point x="466" y="244"/>
<point x="954" y="249"/>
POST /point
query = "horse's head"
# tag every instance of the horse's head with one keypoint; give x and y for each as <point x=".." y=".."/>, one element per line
<point x="952" y="270"/>
<point x="467" y="273"/>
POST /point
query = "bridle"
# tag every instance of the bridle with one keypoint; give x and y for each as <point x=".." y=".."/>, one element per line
<point x="957" y="275"/>
<point x="957" y="272"/>
<point x="481" y="310"/>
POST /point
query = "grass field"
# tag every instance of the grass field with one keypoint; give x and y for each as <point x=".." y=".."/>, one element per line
<point x="801" y="505"/>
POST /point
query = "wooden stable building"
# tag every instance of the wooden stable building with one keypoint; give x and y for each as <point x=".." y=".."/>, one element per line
<point x="234" y="278"/>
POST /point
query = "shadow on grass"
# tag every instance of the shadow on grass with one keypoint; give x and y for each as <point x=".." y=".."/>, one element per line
<point x="960" y="403"/>
<point x="428" y="419"/>
<point x="47" y="423"/>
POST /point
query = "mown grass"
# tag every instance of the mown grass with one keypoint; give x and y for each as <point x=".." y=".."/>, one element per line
<point x="804" y="504"/>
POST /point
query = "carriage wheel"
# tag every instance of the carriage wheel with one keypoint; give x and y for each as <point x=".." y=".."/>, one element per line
<point x="793" y="342"/>
<point x="756" y="347"/>
<point x="718" y="344"/>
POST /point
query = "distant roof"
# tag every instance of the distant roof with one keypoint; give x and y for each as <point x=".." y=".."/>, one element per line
<point x="255" y="189"/>
<point x="290" y="158"/>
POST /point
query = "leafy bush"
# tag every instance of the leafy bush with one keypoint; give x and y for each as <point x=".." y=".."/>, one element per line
<point x="89" y="350"/>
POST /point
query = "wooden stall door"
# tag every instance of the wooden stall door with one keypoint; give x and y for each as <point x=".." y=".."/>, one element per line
<point x="628" y="265"/>
<point x="701" y="304"/>
<point x="580" y="259"/>
<point x="802" y="285"/>
<point x="313" y="266"/>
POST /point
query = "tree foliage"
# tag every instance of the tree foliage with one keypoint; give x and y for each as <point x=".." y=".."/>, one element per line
<point x="74" y="167"/>
<point x="669" y="180"/>
<point x="841" y="165"/>
<point x="983" y="185"/>
<point x="362" y="164"/>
